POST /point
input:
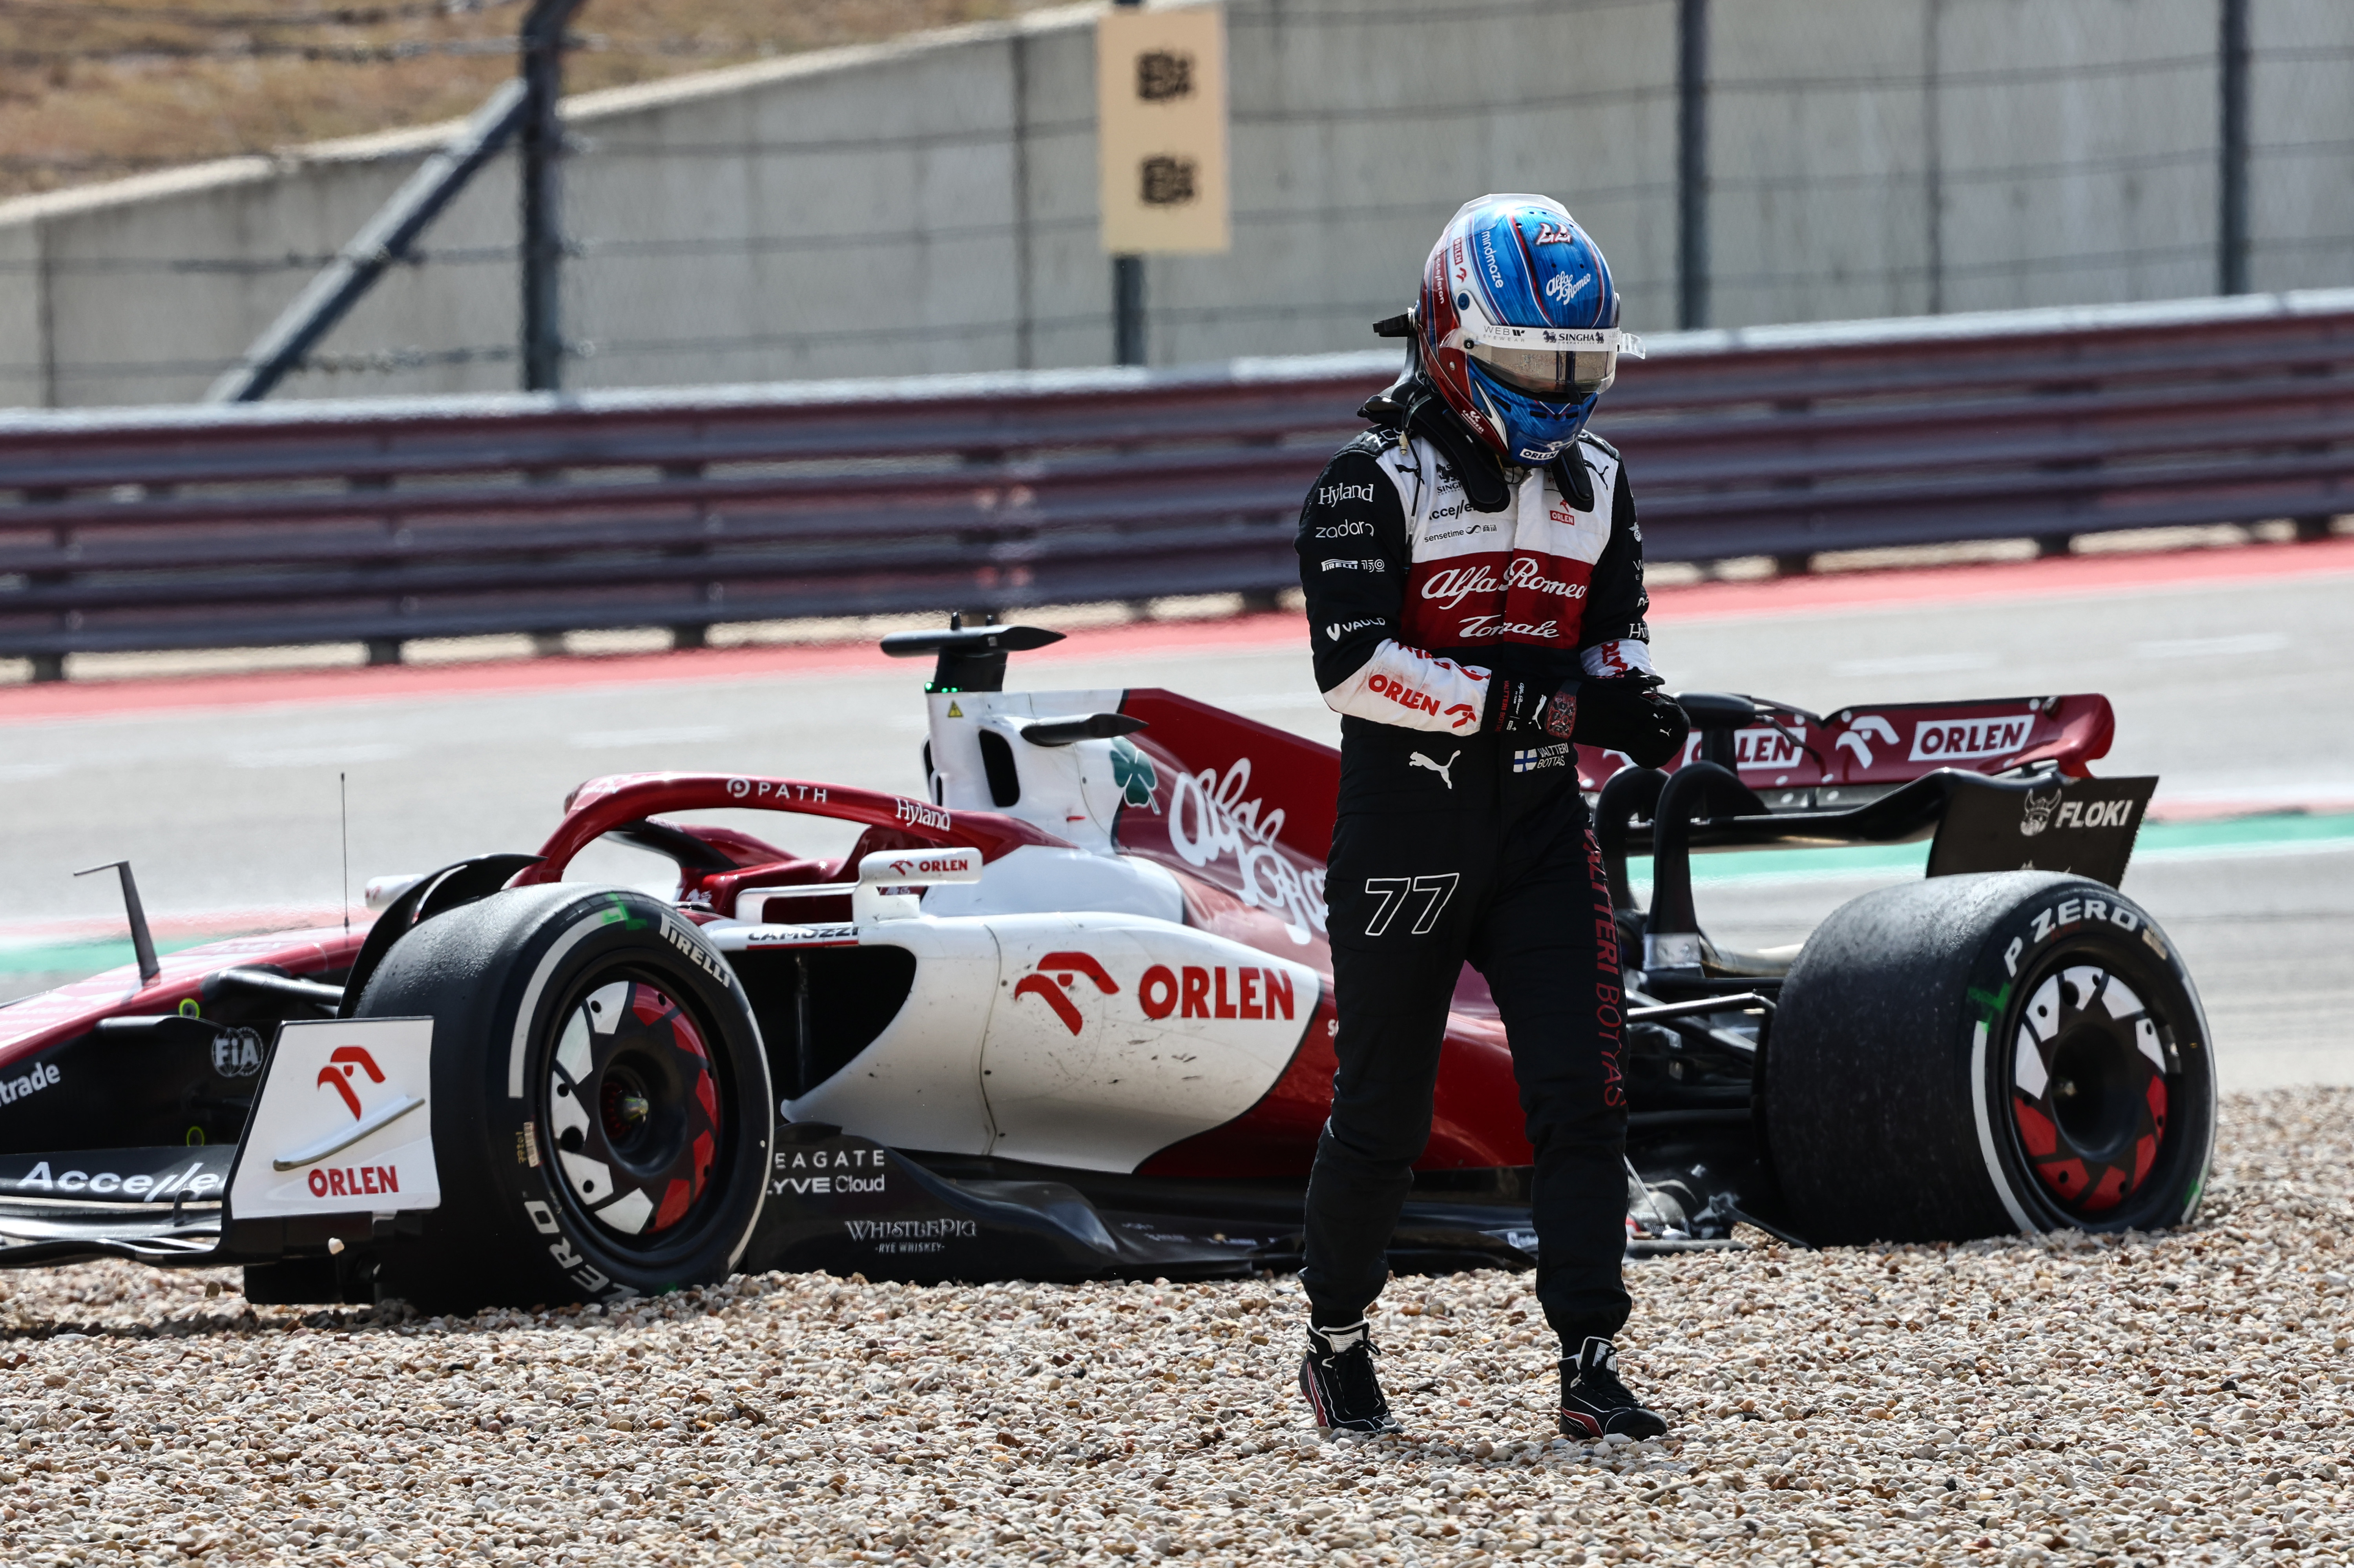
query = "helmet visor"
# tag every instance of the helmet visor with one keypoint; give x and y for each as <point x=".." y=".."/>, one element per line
<point x="1551" y="375"/>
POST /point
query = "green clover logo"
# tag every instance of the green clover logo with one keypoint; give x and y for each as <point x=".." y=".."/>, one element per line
<point x="1132" y="772"/>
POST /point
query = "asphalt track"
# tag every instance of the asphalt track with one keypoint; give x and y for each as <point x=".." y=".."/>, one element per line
<point x="2232" y="672"/>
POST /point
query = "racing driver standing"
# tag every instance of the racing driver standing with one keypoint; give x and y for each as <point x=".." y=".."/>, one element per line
<point x="1475" y="592"/>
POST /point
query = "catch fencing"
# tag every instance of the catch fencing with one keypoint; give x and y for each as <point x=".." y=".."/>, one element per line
<point x="930" y="206"/>
<point x="390" y="519"/>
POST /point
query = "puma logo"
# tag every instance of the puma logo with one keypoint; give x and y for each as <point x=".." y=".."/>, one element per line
<point x="1420" y="760"/>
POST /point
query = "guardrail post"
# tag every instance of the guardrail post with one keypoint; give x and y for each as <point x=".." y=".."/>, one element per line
<point x="383" y="650"/>
<point x="50" y="666"/>
<point x="2231" y="178"/>
<point x="686" y="634"/>
<point x="1691" y="164"/>
<point x="1795" y="563"/>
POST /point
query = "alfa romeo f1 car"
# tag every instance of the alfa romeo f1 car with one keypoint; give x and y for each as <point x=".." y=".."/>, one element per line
<point x="1065" y="1012"/>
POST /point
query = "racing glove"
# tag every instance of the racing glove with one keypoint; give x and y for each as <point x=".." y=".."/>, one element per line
<point x="1626" y="714"/>
<point x="1526" y="706"/>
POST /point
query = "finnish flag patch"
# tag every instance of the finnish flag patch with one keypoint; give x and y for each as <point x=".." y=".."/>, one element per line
<point x="1540" y="756"/>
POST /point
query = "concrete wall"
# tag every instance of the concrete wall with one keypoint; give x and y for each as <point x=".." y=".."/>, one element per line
<point x="930" y="206"/>
<point x="2106" y="190"/>
<point x="142" y="290"/>
<point x="2301" y="121"/>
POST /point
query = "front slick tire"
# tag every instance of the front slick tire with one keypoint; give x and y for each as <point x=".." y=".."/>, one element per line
<point x="602" y="1115"/>
<point x="1970" y="1056"/>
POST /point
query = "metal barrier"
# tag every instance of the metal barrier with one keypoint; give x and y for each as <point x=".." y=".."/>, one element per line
<point x="384" y="520"/>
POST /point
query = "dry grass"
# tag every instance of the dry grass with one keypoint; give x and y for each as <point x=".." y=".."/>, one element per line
<point x="91" y="90"/>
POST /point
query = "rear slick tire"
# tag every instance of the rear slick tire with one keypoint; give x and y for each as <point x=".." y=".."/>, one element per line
<point x="602" y="1115"/>
<point x="1969" y="1057"/>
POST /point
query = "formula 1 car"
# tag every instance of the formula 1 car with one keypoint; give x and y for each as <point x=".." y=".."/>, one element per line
<point x="1067" y="1012"/>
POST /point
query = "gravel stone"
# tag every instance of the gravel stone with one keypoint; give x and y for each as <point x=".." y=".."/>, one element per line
<point x="2102" y="1400"/>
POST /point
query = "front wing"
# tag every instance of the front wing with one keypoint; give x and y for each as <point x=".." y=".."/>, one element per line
<point x="338" y="1151"/>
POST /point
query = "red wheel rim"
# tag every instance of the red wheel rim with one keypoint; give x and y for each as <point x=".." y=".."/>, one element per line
<point x="632" y="1107"/>
<point x="2089" y="1093"/>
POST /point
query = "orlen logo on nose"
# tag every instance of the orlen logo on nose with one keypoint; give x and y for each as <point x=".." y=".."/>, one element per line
<point x="1055" y="971"/>
<point x="353" y="1058"/>
<point x="1195" y="990"/>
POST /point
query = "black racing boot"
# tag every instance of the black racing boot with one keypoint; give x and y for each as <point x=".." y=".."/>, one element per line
<point x="1337" y="1376"/>
<point x="1594" y="1403"/>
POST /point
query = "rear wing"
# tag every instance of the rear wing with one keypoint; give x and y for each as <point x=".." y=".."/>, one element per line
<point x="1798" y="761"/>
<point x="2001" y="785"/>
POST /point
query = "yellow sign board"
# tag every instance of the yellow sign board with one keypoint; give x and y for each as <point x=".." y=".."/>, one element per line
<point x="1160" y="94"/>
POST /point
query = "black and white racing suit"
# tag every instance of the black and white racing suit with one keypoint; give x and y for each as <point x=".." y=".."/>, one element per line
<point x="1453" y="843"/>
